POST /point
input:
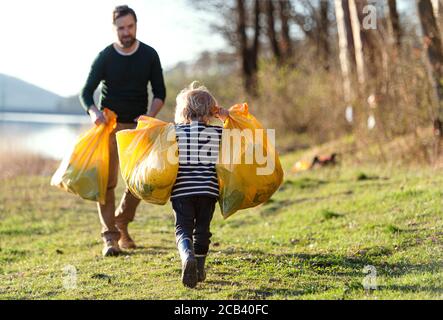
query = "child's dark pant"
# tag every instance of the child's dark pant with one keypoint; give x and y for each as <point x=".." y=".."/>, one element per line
<point x="193" y="216"/>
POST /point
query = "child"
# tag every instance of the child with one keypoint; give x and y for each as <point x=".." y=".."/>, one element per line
<point x="196" y="189"/>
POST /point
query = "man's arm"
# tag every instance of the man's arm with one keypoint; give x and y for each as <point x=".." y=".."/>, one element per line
<point x="87" y="92"/>
<point x="158" y="87"/>
<point x="156" y="106"/>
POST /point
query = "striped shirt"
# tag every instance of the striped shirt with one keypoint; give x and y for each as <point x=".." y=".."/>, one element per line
<point x="198" y="147"/>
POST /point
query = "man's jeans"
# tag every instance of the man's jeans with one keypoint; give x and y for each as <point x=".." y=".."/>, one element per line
<point x="193" y="217"/>
<point x="126" y="210"/>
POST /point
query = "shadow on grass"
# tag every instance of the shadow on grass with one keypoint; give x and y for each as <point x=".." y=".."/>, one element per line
<point x="412" y="288"/>
<point x="222" y="282"/>
<point x="346" y="271"/>
<point x="275" y="206"/>
<point x="303" y="183"/>
<point x="24" y="231"/>
<point x="150" y="250"/>
<point x="266" y="293"/>
<point x="12" y="255"/>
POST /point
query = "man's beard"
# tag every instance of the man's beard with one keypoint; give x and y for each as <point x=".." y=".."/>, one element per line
<point x="127" y="42"/>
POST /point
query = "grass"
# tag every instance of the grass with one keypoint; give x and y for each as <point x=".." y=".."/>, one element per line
<point x="313" y="240"/>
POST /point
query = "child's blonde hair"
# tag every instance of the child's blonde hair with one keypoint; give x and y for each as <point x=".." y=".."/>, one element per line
<point x="194" y="103"/>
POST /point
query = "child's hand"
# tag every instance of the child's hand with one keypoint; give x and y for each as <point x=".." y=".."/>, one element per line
<point x="221" y="113"/>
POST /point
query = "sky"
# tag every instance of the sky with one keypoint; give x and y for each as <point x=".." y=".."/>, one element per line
<point x="52" y="43"/>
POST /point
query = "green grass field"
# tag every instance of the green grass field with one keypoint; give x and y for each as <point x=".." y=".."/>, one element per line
<point x="311" y="241"/>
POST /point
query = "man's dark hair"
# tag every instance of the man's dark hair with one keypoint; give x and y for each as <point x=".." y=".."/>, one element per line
<point x="121" y="11"/>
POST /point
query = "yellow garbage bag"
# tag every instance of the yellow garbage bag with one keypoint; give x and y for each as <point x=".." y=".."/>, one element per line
<point x="149" y="159"/>
<point x="85" y="170"/>
<point x="248" y="168"/>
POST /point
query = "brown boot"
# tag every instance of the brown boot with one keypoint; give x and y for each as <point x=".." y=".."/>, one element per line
<point x="110" y="248"/>
<point x="125" y="241"/>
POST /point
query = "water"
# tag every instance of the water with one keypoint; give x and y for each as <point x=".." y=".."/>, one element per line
<point x="49" y="135"/>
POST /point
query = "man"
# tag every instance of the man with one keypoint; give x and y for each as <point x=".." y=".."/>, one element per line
<point x="124" y="68"/>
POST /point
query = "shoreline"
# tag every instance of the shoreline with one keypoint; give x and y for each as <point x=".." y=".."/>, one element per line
<point x="19" y="163"/>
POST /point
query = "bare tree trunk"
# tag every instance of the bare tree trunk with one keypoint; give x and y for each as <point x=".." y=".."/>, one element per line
<point x="435" y="5"/>
<point x="436" y="8"/>
<point x="285" y="13"/>
<point x="348" y="25"/>
<point x="343" y="48"/>
<point x="433" y="46"/>
<point x="395" y="23"/>
<point x="358" y="45"/>
<point x="241" y="30"/>
<point x="324" y="33"/>
<point x="249" y="54"/>
<point x="438" y="13"/>
<point x="256" y="43"/>
<point x="271" y="31"/>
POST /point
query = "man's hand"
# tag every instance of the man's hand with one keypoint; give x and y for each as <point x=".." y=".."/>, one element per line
<point x="97" y="117"/>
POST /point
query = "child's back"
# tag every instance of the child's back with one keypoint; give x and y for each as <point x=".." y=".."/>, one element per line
<point x="198" y="146"/>
<point x="196" y="188"/>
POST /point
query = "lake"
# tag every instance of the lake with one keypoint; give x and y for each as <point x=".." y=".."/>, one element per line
<point x="49" y="135"/>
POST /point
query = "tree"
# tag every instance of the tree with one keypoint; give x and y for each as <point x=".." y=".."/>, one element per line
<point x="239" y="23"/>
<point x="314" y="22"/>
<point x="395" y="23"/>
<point x="433" y="47"/>
<point x="272" y="35"/>
<point x="324" y="33"/>
<point x="286" y="42"/>
<point x="358" y="44"/>
<point x="438" y="13"/>
<point x="248" y="51"/>
<point x="343" y="49"/>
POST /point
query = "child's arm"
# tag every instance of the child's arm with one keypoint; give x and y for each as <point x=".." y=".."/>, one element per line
<point x="221" y="113"/>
